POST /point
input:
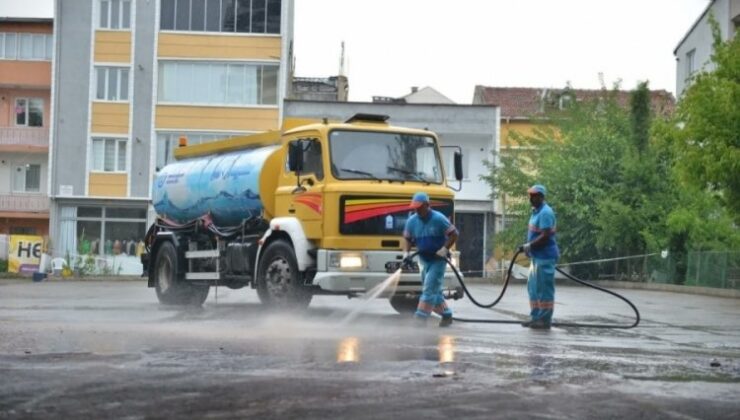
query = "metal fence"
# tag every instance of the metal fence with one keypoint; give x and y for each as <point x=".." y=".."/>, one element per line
<point x="718" y="269"/>
<point x="713" y="269"/>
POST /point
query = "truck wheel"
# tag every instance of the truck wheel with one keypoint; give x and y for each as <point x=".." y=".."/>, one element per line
<point x="279" y="282"/>
<point x="403" y="304"/>
<point x="173" y="289"/>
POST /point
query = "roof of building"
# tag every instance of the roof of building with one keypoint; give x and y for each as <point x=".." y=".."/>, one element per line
<point x="426" y="95"/>
<point x="396" y="103"/>
<point x="521" y="102"/>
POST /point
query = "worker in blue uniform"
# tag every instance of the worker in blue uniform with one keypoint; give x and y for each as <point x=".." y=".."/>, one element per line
<point x="433" y="235"/>
<point x="542" y="249"/>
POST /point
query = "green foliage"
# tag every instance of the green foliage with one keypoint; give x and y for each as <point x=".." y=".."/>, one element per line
<point x="85" y="265"/>
<point x="705" y="133"/>
<point x="611" y="181"/>
<point x="640" y="114"/>
<point x="3" y="266"/>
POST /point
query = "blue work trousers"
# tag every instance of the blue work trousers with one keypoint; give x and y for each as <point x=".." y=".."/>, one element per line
<point x="432" y="279"/>
<point x="541" y="287"/>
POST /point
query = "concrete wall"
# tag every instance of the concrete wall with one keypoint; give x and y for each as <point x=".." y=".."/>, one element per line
<point x="72" y="87"/>
<point x="474" y="128"/>
<point x="699" y="39"/>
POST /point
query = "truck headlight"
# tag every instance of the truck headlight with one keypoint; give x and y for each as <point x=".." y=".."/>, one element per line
<point x="347" y="260"/>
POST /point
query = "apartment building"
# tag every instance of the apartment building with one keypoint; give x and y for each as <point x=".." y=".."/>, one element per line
<point x="25" y="90"/>
<point x="131" y="77"/>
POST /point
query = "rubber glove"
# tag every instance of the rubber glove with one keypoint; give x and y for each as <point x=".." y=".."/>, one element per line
<point x="442" y="252"/>
<point x="406" y="258"/>
<point x="525" y="247"/>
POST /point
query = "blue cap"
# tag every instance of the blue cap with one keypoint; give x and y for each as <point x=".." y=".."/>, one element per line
<point x="537" y="189"/>
<point x="419" y="199"/>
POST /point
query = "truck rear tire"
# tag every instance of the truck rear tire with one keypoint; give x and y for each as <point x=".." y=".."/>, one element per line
<point x="403" y="304"/>
<point x="279" y="283"/>
<point x="171" y="288"/>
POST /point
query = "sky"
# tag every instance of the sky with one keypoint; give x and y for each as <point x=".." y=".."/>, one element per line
<point x="392" y="45"/>
<point x="452" y="46"/>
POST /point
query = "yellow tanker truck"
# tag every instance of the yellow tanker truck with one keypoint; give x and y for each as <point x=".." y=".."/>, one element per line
<point x="318" y="209"/>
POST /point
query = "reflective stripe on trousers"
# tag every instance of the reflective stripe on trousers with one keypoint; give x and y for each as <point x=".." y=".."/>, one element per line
<point x="541" y="288"/>
<point x="432" y="299"/>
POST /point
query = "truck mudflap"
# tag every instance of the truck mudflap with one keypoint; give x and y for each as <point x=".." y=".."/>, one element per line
<point x="354" y="271"/>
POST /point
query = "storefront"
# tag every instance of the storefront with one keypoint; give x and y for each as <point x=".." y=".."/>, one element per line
<point x="101" y="239"/>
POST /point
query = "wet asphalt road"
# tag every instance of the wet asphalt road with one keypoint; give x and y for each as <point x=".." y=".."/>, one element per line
<point x="108" y="350"/>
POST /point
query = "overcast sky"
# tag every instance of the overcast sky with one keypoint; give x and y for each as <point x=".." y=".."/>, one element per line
<point x="452" y="46"/>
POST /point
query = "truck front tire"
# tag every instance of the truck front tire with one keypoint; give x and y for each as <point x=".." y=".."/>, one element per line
<point x="171" y="288"/>
<point x="279" y="282"/>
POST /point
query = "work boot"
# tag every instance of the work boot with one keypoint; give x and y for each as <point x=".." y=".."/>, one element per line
<point x="527" y="324"/>
<point x="446" y="321"/>
<point x="539" y="324"/>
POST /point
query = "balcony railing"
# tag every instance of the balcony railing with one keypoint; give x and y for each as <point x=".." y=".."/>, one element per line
<point x="24" y="202"/>
<point x="34" y="137"/>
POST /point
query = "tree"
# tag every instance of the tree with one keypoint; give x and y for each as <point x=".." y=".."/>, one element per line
<point x="611" y="180"/>
<point x="705" y="133"/>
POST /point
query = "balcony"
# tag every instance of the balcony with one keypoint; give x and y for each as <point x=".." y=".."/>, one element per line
<point x="24" y="203"/>
<point x="24" y="139"/>
<point x="25" y="74"/>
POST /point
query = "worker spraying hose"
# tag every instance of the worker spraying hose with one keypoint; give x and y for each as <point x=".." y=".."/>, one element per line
<point x="433" y="235"/>
<point x="543" y="251"/>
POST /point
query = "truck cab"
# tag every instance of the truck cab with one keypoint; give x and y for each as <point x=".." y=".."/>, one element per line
<point x="334" y="201"/>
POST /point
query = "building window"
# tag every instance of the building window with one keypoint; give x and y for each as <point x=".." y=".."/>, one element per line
<point x="245" y="16"/>
<point x="108" y="155"/>
<point x="115" y="14"/>
<point x="25" y="46"/>
<point x="27" y="178"/>
<point x="111" y="83"/>
<point x="218" y="83"/>
<point x="690" y="64"/>
<point x="23" y="230"/>
<point x="167" y="142"/>
<point x="29" y="112"/>
<point x="109" y="239"/>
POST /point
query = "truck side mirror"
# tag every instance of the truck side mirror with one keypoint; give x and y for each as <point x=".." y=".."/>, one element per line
<point x="295" y="156"/>
<point x="458" y="166"/>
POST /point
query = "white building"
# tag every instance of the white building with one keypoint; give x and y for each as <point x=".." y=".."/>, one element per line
<point x="694" y="52"/>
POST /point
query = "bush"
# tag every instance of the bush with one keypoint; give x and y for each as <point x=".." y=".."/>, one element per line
<point x="3" y="266"/>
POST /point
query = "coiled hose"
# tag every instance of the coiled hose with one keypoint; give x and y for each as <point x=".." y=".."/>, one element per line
<point x="555" y="324"/>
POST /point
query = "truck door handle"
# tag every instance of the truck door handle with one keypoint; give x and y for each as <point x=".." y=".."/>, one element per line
<point x="291" y="211"/>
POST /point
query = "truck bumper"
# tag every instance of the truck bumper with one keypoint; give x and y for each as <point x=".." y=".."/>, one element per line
<point x="332" y="277"/>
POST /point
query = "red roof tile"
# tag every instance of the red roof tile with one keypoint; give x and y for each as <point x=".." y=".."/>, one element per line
<point x="518" y="102"/>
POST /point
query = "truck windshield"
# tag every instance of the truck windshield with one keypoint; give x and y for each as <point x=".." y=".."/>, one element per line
<point x="384" y="156"/>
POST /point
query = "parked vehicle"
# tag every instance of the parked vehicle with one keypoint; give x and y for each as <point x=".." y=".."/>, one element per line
<point x="319" y="209"/>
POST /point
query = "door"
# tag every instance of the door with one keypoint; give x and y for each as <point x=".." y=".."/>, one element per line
<point x="306" y="202"/>
<point x="471" y="227"/>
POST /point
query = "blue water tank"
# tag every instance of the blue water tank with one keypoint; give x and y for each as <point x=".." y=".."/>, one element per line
<point x="225" y="185"/>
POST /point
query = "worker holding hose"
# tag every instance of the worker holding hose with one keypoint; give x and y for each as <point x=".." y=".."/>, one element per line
<point x="543" y="251"/>
<point x="433" y="235"/>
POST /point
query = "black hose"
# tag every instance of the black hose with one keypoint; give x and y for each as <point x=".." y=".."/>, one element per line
<point x="556" y="324"/>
